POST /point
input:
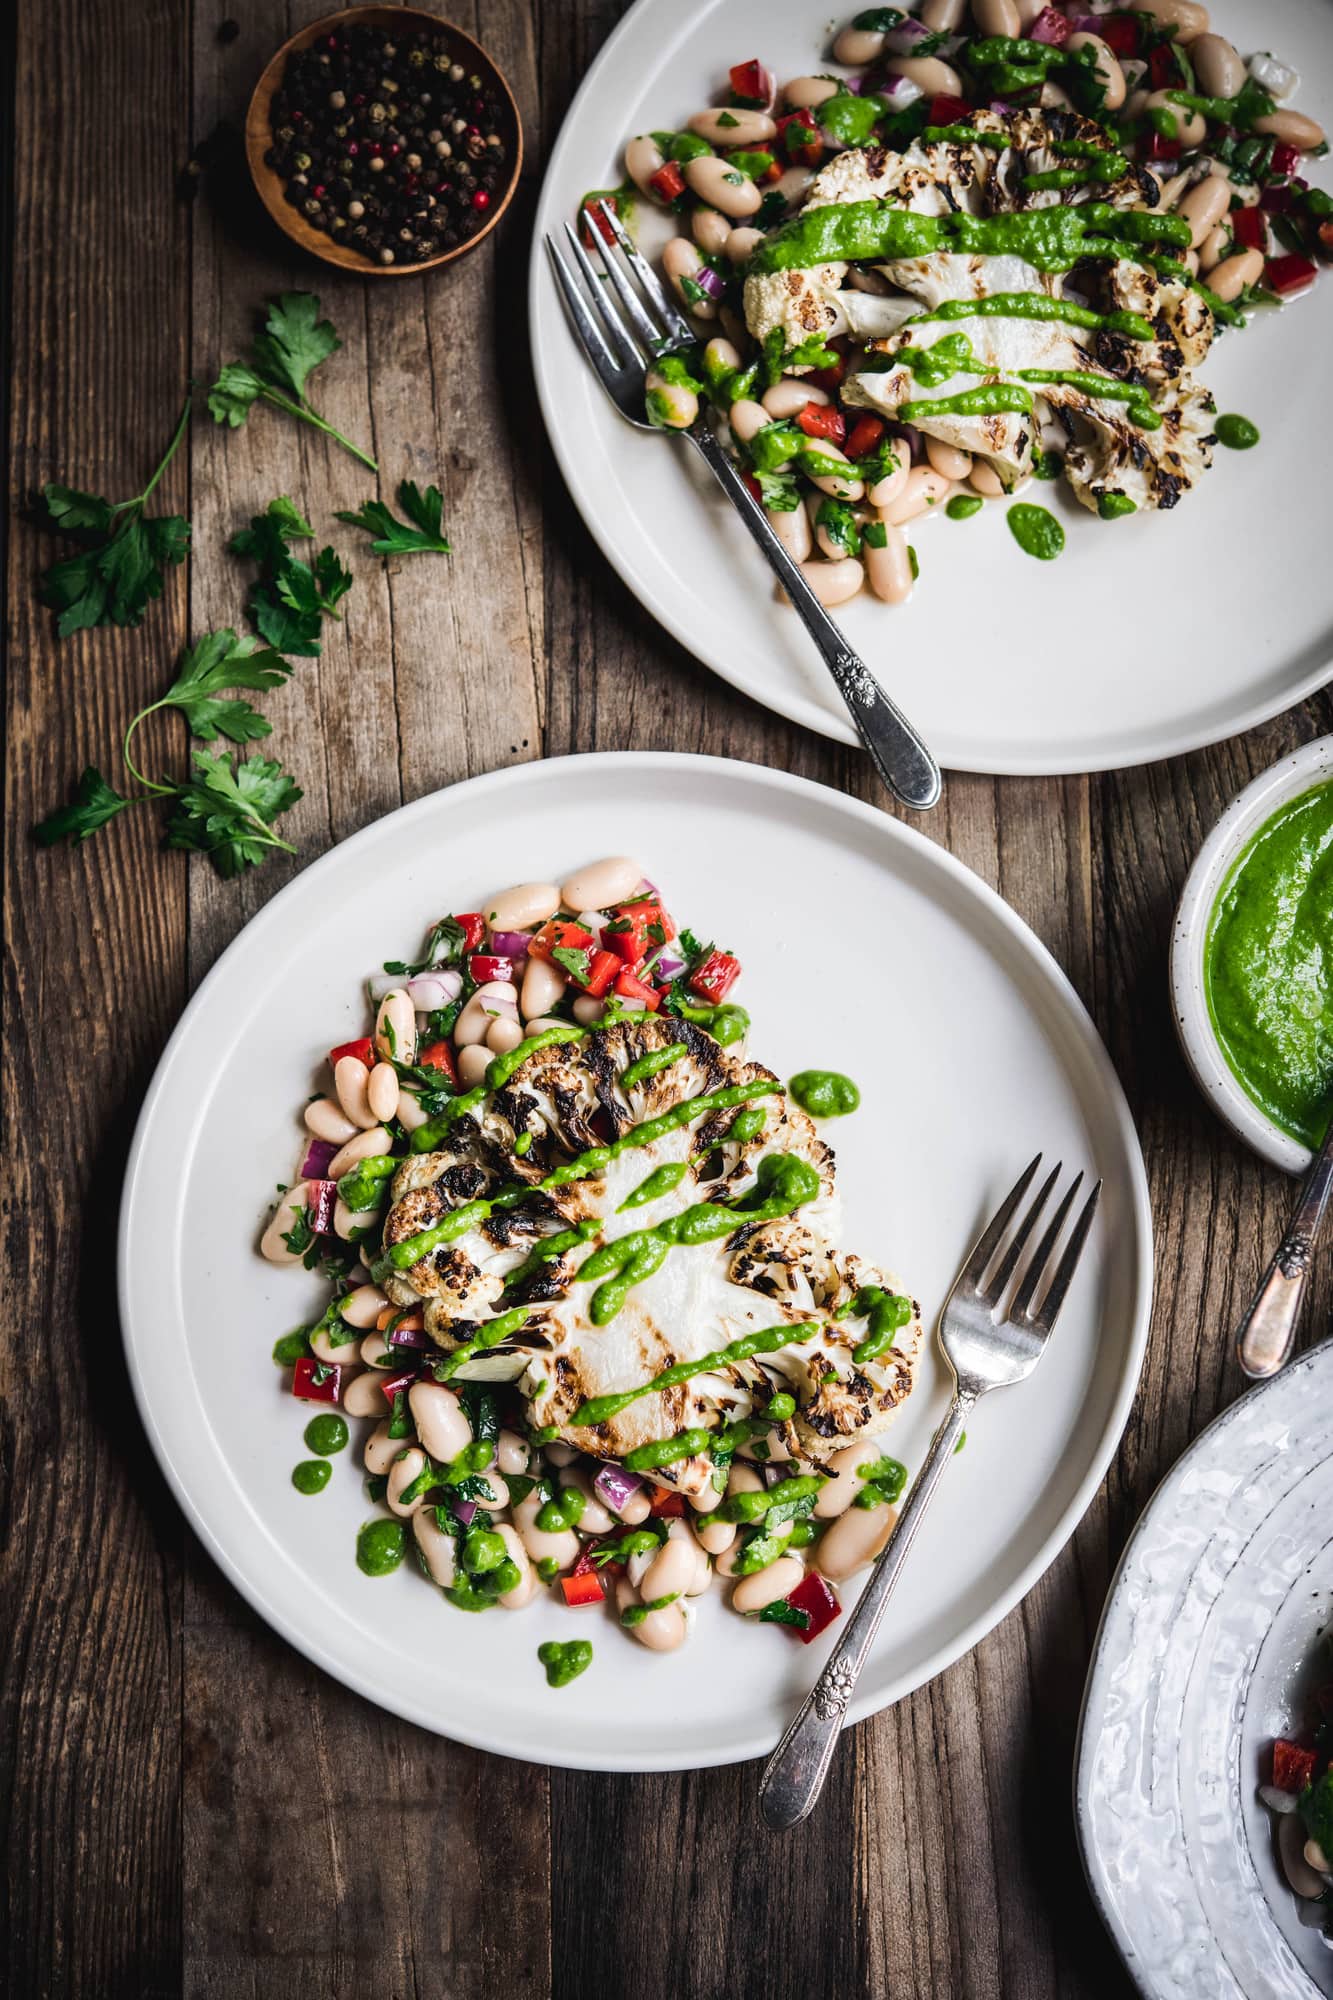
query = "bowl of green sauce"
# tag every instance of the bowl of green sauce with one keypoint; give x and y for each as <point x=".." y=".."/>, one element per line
<point x="1252" y="960"/>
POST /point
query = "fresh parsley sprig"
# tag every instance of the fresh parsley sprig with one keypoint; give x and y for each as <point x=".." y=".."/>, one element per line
<point x="292" y="598"/>
<point x="119" y="568"/>
<point x="293" y="343"/>
<point x="425" y="512"/>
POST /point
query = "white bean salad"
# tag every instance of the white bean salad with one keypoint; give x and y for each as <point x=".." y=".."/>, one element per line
<point x="989" y="242"/>
<point x="586" y="1295"/>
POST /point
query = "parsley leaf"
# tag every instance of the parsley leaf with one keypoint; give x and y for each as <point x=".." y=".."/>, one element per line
<point x="442" y="947"/>
<point x="228" y="808"/>
<point x="119" y="568"/>
<point x="396" y="538"/>
<point x="293" y="343"/>
<point x="292" y="598"/>
<point x="782" y="1613"/>
<point x="93" y="804"/>
<point x="217" y="662"/>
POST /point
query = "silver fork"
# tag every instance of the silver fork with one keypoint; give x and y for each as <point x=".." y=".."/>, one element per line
<point x="983" y="1354"/>
<point x="621" y="345"/>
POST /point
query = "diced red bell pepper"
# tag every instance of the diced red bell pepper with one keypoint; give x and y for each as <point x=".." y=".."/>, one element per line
<point x="1120" y="32"/>
<point x="394" y="1385"/>
<point x="581" y="1588"/>
<point x="821" y="420"/>
<point x="800" y="138"/>
<point x="321" y="1201"/>
<point x="753" y="488"/>
<point x="363" y="1050"/>
<point x="668" y="183"/>
<point x="1160" y="147"/>
<point x="604" y="967"/>
<point x="559" y="935"/>
<point x="863" y="436"/>
<point x="484" y="966"/>
<point x="819" y="1601"/>
<point x="1293" y="1767"/>
<point x="307" y="1388"/>
<point x="630" y="988"/>
<point x="1286" y="159"/>
<point x="664" y="1503"/>
<point x="1277" y="198"/>
<point x="751" y="85"/>
<point x="473" y="927"/>
<point x="1249" y="228"/>
<point x="439" y="1055"/>
<point x="592" y="228"/>
<point x="636" y="928"/>
<point x="715" y="977"/>
<point x="1164" y="69"/>
<point x="1285" y="275"/>
<point x="946" y="110"/>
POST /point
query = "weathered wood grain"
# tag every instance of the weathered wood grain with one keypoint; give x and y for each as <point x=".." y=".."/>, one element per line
<point x="189" y="1806"/>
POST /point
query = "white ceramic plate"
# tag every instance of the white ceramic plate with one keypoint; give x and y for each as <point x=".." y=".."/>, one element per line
<point x="866" y="947"/>
<point x="1207" y="1644"/>
<point x="1149" y="636"/>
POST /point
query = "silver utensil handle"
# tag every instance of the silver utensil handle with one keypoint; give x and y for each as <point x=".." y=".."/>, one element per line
<point x="796" y="1771"/>
<point x="897" y="752"/>
<point x="1265" y="1335"/>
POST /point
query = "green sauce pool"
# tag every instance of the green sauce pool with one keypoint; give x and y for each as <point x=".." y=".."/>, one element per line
<point x="1036" y="531"/>
<point x="312" y="1475"/>
<point x="1237" y="433"/>
<point x="1268" y="966"/>
<point x="824" y="1093"/>
<point x="326" y="1434"/>
<point x="564" y="1661"/>
<point x="380" y="1546"/>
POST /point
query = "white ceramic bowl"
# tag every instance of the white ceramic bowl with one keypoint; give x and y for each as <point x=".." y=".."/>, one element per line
<point x="1300" y="772"/>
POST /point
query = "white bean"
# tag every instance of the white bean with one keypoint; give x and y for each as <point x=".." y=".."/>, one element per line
<point x="271" y="1244"/>
<point x="441" y="1422"/>
<point x="363" y="1396"/>
<point x="858" y="46"/>
<point x="1301" y="1877"/>
<point x="803" y="93"/>
<point x="855" y="1539"/>
<point x="381" y="1448"/>
<point x="983" y="478"/>
<point x="371" y="1144"/>
<point x="1187" y="17"/>
<point x="790" y="396"/>
<point x="350" y="1079"/>
<point x="1292" y="128"/>
<point x="947" y="459"/>
<point x="888" y="568"/>
<point x="942" y="17"/>
<point x="512" y="1453"/>
<point x="437" y="1547"/>
<point x="661" y="1631"/>
<point x="596" y="1518"/>
<point x="396" y="1028"/>
<point x="1233" y="274"/>
<point x="767" y="1585"/>
<point x="931" y="76"/>
<point x="525" y="1589"/>
<point x="363" y="1307"/>
<point x="995" y="17"/>
<point x="410" y="1114"/>
<point x="886" y="490"/>
<point x="792" y="183"/>
<point x="473" y="1063"/>
<point x="637" y="1508"/>
<point x="747" y="418"/>
<point x="681" y="260"/>
<point x="562" y="1546"/>
<point x="719" y="356"/>
<point x="743" y="1479"/>
<point x="741" y="244"/>
<point x="587" y="1009"/>
<point x="335" y="1352"/>
<point x="834" y="583"/>
<point x="560" y="1453"/>
<point x="671" y="404"/>
<point x="671" y="1571"/>
<point x="842" y="486"/>
<point x="837" y="1495"/>
<point x="401" y="1475"/>
<point x="723" y="186"/>
<point x="792" y="529"/>
<point x="542" y="986"/>
<point x="497" y="997"/>
<point x="325" y="1119"/>
<point x="522" y="909"/>
<point x="643" y="159"/>
<point x="716" y="1536"/>
<point x="375" y="1349"/>
<point x="923" y="488"/>
<point x="1218" y="68"/>
<point x="382" y="1091"/>
<point x="1106" y="68"/>
<point x="352" y="1224"/>
<point x="1204" y="206"/>
<point x="495" y="1498"/>
<point x="503" y="1035"/>
<point x="741" y="128"/>
<point x="710" y="229"/>
<point x="1191" y="126"/>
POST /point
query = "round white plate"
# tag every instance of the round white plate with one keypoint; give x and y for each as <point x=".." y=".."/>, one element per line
<point x="1149" y="636"/>
<point x="865" y="947"/>
<point x="1206" y="1650"/>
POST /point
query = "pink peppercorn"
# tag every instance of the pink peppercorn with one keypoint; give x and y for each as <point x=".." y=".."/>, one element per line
<point x="481" y="200"/>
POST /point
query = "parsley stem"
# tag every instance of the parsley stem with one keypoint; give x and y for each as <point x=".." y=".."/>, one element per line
<point x="170" y="453"/>
<point x="129" y="762"/>
<point x="307" y="415"/>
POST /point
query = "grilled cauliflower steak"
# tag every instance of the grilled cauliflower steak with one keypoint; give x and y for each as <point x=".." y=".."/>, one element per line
<point x="769" y="1262"/>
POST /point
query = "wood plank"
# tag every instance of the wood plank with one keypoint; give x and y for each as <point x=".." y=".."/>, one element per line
<point x="94" y="966"/>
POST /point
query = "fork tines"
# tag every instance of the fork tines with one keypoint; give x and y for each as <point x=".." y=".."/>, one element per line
<point x="621" y="341"/>
<point x="974" y="1273"/>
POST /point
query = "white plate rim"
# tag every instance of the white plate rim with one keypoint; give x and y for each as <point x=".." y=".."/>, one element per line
<point x="793" y="706"/>
<point x="584" y="767"/>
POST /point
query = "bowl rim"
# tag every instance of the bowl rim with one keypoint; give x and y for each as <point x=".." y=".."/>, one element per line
<point x="1302" y="770"/>
<point x="268" y="186"/>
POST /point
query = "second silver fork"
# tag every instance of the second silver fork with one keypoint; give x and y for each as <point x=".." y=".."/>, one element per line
<point x="622" y="336"/>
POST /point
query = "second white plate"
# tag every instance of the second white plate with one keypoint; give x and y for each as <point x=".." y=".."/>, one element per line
<point x="1148" y="637"/>
<point x="866" y="948"/>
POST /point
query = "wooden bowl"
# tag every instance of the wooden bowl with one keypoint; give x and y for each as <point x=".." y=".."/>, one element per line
<point x="270" y="185"/>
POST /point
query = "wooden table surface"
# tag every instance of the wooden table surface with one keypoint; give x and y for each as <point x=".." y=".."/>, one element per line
<point x="189" y="1806"/>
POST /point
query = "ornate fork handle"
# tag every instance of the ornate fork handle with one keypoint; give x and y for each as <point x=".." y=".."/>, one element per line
<point x="897" y="752"/>
<point x="1265" y="1335"/>
<point x="796" y="1771"/>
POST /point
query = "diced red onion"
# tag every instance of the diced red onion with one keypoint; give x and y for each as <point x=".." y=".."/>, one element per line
<point x="383" y="982"/>
<point x="667" y="966"/>
<point x="464" y="1510"/>
<point x="511" y="944"/>
<point x="903" y="38"/>
<point x="899" y="91"/>
<point x="430" y="990"/>
<point x="315" y="1165"/>
<point x="613" y="1485"/>
<point x="710" y="281"/>
<point x="853" y="85"/>
<point x="409" y="1336"/>
<point x="1052" y="28"/>
<point x="321" y="1201"/>
<point x="1001" y="105"/>
<point x="1277" y="78"/>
